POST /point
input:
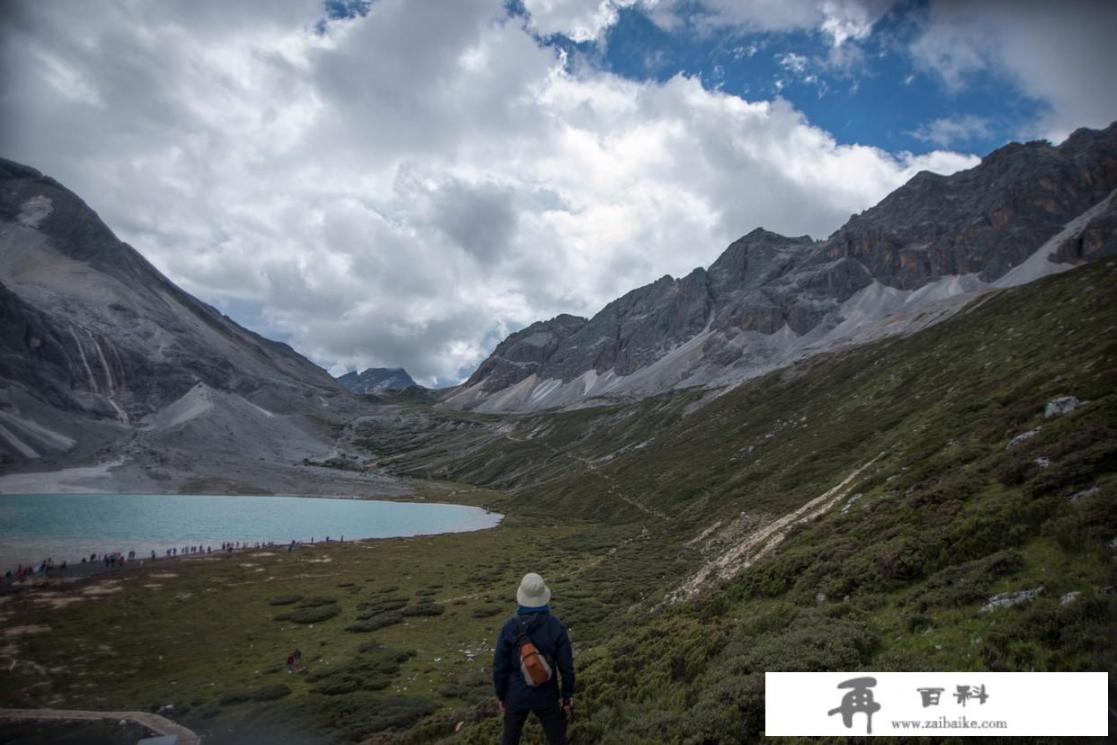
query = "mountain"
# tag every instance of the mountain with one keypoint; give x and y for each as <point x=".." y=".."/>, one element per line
<point x="376" y="380"/>
<point x="1025" y="211"/>
<point x="105" y="360"/>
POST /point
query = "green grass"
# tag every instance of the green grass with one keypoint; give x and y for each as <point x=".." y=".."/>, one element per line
<point x="209" y="641"/>
<point x="607" y="504"/>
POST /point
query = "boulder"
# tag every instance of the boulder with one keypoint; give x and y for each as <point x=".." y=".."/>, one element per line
<point x="1009" y="599"/>
<point x="1083" y="494"/>
<point x="1021" y="438"/>
<point x="1061" y="405"/>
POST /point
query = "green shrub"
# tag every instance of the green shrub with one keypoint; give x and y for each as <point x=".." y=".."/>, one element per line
<point x="966" y="583"/>
<point x="285" y="599"/>
<point x="313" y="614"/>
<point x="232" y="698"/>
<point x="425" y="609"/>
<point x="486" y="611"/>
<point x="355" y="717"/>
<point x="373" y="671"/>
<point x="373" y="623"/>
<point x="375" y="607"/>
<point x="271" y="692"/>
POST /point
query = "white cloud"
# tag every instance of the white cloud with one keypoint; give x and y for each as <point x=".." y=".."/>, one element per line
<point x="841" y="20"/>
<point x="580" y="20"/>
<point x="793" y="62"/>
<point x="954" y="130"/>
<point x="410" y="186"/>
<point x="587" y="20"/>
<point x="1062" y="54"/>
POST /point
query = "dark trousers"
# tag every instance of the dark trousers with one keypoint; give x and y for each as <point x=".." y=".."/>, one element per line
<point x="551" y="717"/>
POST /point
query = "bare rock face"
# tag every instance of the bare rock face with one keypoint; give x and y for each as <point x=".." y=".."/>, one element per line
<point x="985" y="220"/>
<point x="90" y="329"/>
<point x="1096" y="240"/>
<point x="376" y="380"/>
<point x="635" y="329"/>
<point x="768" y="293"/>
<point x="524" y="352"/>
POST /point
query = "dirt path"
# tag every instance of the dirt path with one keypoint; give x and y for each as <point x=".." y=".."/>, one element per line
<point x="759" y="543"/>
<point x="154" y="722"/>
<point x="613" y="489"/>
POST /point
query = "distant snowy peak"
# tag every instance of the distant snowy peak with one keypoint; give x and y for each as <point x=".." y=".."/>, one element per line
<point x="1026" y="211"/>
<point x="376" y="380"/>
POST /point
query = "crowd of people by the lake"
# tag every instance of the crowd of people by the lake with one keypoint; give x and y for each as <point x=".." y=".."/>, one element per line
<point x="117" y="559"/>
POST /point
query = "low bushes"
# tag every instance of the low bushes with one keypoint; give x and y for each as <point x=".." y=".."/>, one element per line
<point x="285" y="599"/>
<point x="378" y="621"/>
<point x="313" y="614"/>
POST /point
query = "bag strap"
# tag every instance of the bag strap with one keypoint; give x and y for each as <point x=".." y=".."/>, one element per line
<point x="525" y="631"/>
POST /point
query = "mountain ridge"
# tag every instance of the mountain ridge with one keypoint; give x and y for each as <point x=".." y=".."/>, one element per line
<point x="105" y="361"/>
<point x="769" y="298"/>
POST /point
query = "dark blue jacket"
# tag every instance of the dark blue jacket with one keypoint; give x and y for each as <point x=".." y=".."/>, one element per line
<point x="549" y="636"/>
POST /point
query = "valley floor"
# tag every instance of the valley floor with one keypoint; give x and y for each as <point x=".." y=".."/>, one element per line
<point x="200" y="640"/>
<point x="915" y="504"/>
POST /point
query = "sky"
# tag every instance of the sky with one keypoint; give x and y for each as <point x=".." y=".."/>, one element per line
<point x="405" y="182"/>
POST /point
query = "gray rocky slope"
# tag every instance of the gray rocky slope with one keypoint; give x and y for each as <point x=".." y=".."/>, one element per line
<point x="376" y="380"/>
<point x="103" y="359"/>
<point x="916" y="257"/>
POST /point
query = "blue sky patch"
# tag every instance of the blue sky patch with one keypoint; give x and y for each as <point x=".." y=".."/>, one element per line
<point x="866" y="91"/>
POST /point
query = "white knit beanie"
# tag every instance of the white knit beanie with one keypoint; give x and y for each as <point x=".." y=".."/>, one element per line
<point x="533" y="591"/>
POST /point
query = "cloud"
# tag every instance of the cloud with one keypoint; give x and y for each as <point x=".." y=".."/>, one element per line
<point x="1062" y="54"/>
<point x="588" y="20"/>
<point x="840" y="20"/>
<point x="954" y="130"/>
<point x="579" y="20"/>
<point x="407" y="186"/>
<point x="793" y="62"/>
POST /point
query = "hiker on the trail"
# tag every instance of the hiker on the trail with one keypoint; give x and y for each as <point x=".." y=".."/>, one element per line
<point x="290" y="663"/>
<point x="532" y="652"/>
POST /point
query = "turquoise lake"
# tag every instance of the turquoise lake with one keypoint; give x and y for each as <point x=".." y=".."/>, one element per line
<point x="69" y="526"/>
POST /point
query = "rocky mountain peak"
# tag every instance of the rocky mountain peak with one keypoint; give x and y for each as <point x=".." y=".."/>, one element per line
<point x="376" y="379"/>
<point x="524" y="351"/>
<point x="770" y="297"/>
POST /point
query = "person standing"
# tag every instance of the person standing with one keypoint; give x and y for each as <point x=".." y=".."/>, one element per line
<point x="532" y="652"/>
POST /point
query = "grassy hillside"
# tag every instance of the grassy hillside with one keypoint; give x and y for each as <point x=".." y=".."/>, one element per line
<point x="895" y="575"/>
<point x="855" y="511"/>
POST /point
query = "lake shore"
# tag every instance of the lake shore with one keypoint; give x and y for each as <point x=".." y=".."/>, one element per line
<point x="205" y="637"/>
<point x="93" y="533"/>
<point x="58" y="578"/>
